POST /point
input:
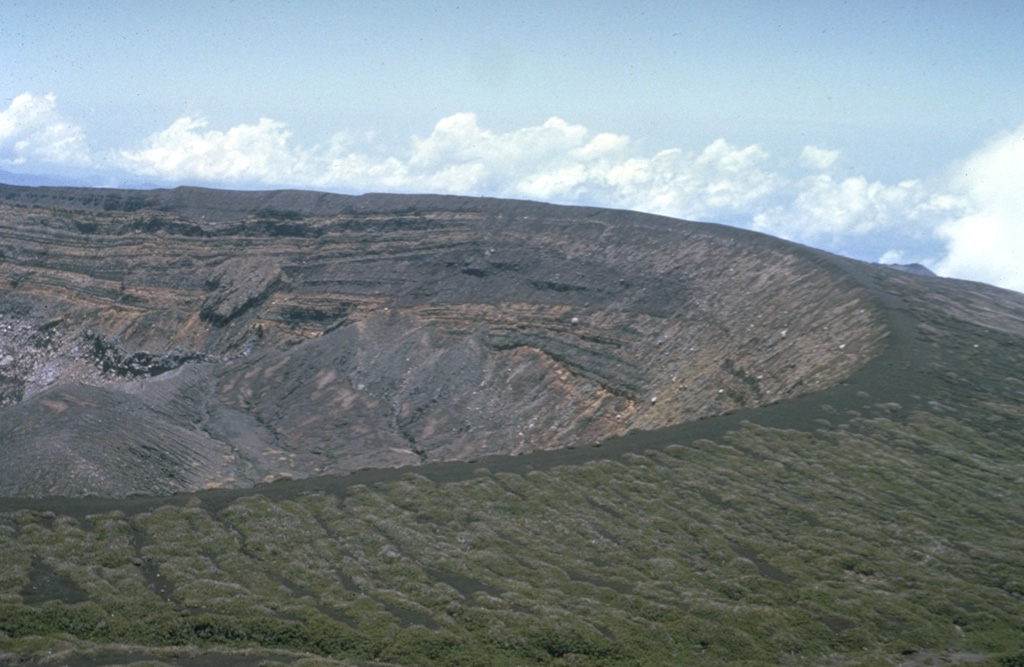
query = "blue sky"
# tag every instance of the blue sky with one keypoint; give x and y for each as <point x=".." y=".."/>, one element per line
<point x="880" y="130"/>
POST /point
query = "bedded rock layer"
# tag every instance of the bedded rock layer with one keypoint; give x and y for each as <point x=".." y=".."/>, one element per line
<point x="157" y="341"/>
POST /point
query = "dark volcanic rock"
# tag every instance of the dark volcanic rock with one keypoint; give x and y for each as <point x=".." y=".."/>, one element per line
<point x="237" y="285"/>
<point x="111" y="360"/>
<point x="76" y="440"/>
<point x="915" y="268"/>
<point x="200" y="338"/>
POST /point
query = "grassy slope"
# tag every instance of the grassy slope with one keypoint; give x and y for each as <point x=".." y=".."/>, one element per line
<point x="878" y="532"/>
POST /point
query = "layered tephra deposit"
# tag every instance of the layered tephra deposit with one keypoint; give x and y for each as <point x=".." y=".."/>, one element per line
<point x="174" y="340"/>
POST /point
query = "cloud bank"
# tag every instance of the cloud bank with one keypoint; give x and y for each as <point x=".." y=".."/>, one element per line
<point x="987" y="244"/>
<point x="185" y="151"/>
<point x="968" y="227"/>
<point x="32" y="131"/>
<point x="554" y="161"/>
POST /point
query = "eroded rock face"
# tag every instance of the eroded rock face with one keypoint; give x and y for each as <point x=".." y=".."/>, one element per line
<point x="233" y="337"/>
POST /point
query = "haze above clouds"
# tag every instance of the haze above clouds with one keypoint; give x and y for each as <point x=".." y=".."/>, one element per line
<point x="882" y="133"/>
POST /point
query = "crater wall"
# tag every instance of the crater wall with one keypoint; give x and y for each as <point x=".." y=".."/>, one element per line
<point x="237" y="337"/>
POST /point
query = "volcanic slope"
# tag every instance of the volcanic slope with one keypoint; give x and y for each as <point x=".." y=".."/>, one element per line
<point x="174" y="340"/>
<point x="870" y="519"/>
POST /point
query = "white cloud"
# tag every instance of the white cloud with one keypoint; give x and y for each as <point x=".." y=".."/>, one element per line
<point x="244" y="153"/>
<point x="824" y="208"/>
<point x="31" y="130"/>
<point x="813" y="157"/>
<point x="604" y="144"/>
<point x="892" y="257"/>
<point x="720" y="180"/>
<point x="987" y="243"/>
<point x="551" y="160"/>
<point x="459" y="139"/>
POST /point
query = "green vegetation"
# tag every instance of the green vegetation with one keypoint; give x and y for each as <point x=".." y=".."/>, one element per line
<point x="857" y="545"/>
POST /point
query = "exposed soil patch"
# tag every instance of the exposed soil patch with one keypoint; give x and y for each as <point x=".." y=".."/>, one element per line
<point x="46" y="584"/>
